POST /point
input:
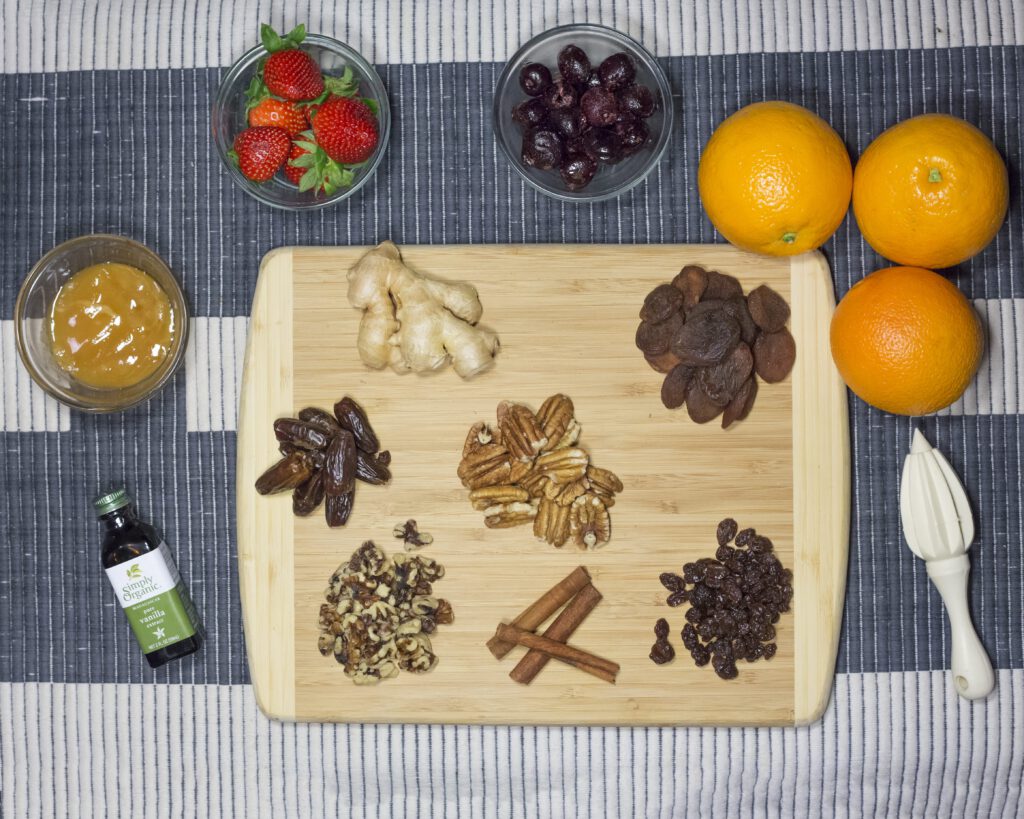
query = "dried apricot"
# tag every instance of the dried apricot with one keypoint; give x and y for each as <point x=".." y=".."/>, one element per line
<point x="661" y="302"/>
<point x="720" y="382"/>
<point x="676" y="385"/>
<point x="699" y="406"/>
<point x="741" y="404"/>
<point x="737" y="308"/>
<point x="774" y="355"/>
<point x="691" y="281"/>
<point x="653" y="338"/>
<point x="768" y="309"/>
<point x="706" y="339"/>
<point x="721" y="286"/>
<point x="663" y="362"/>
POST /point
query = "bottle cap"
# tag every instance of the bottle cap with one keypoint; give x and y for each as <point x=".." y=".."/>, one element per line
<point x="109" y="501"/>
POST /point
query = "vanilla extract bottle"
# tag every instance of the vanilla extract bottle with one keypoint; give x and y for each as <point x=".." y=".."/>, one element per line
<point x="149" y="588"/>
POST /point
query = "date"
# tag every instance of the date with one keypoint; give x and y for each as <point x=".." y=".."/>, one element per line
<point x="340" y="464"/>
<point x="321" y="419"/>
<point x="299" y="433"/>
<point x="372" y="468"/>
<point x="337" y="508"/>
<point x="288" y="473"/>
<point x="309" y="495"/>
<point x="352" y="417"/>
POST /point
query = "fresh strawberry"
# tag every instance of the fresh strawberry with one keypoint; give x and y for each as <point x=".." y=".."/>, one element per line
<point x="260" y="151"/>
<point x="346" y="129"/>
<point x="290" y="72"/>
<point x="279" y="114"/>
<point x="312" y="169"/>
<point x="292" y="171"/>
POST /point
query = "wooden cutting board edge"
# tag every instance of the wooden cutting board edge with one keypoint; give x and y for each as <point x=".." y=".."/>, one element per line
<point x="821" y="529"/>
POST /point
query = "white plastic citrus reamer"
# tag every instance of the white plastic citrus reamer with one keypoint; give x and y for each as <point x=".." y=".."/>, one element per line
<point x="939" y="528"/>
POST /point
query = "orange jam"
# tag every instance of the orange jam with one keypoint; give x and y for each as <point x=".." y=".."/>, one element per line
<point x="111" y="325"/>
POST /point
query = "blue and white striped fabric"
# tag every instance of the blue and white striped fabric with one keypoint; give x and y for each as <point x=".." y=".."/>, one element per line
<point x="106" y="104"/>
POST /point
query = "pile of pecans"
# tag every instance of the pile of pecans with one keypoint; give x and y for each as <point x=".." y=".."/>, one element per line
<point x="710" y="340"/>
<point x="530" y="469"/>
<point x="735" y="598"/>
<point x="324" y="455"/>
<point x="379" y="614"/>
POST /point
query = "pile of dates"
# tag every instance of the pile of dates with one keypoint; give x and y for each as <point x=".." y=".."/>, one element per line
<point x="324" y="455"/>
<point x="584" y="117"/>
<point x="711" y="340"/>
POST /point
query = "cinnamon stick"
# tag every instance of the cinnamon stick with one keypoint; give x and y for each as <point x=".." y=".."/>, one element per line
<point x="550" y="602"/>
<point x="583" y="660"/>
<point x="561" y="629"/>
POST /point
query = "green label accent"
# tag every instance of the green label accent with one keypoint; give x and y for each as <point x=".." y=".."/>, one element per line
<point x="162" y="620"/>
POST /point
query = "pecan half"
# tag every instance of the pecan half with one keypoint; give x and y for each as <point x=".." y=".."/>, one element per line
<point x="603" y="481"/>
<point x="488" y="496"/>
<point x="570" y="492"/>
<point x="552" y="523"/>
<point x="521" y="434"/>
<point x="554" y="416"/>
<point x="507" y="515"/>
<point x="535" y="483"/>
<point x="479" y="434"/>
<point x="589" y="522"/>
<point x="563" y="466"/>
<point x="571" y="436"/>
<point x="487" y="465"/>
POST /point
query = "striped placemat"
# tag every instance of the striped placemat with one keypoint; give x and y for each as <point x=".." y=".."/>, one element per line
<point x="107" y="106"/>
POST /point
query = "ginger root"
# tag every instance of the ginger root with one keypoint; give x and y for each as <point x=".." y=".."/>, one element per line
<point x="415" y="323"/>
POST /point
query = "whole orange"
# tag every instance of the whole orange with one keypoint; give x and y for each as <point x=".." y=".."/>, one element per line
<point x="906" y="340"/>
<point x="930" y="191"/>
<point x="775" y="178"/>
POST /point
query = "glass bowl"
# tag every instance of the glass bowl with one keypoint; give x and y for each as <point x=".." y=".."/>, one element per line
<point x="32" y="325"/>
<point x="228" y="119"/>
<point x="598" y="42"/>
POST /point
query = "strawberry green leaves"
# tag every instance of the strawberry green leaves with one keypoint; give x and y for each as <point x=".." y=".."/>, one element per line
<point x="272" y="41"/>
<point x="347" y="85"/>
<point x="322" y="174"/>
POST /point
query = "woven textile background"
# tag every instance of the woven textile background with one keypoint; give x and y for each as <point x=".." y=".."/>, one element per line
<point x="106" y="108"/>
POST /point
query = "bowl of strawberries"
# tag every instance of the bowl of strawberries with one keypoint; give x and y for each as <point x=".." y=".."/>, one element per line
<point x="301" y="121"/>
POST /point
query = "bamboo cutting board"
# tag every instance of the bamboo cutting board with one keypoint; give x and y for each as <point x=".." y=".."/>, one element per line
<point x="566" y="316"/>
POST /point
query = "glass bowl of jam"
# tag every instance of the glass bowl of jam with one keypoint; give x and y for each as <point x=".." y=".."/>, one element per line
<point x="101" y="323"/>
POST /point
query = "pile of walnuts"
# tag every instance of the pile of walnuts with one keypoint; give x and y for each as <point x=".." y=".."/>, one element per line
<point x="379" y="614"/>
<point x="529" y="469"/>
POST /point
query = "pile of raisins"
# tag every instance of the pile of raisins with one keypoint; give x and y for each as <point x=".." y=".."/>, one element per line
<point x="711" y="340"/>
<point x="735" y="597"/>
<point x="584" y="117"/>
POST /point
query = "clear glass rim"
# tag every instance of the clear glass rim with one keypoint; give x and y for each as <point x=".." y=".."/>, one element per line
<point x="161" y="376"/>
<point x="657" y="152"/>
<point x="221" y="101"/>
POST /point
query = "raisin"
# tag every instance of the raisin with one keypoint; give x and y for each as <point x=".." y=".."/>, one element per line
<point x="691" y="282"/>
<point x="722" y="381"/>
<point x="741" y="404"/>
<point x="699" y="406"/>
<point x="714" y="576"/>
<point x="700" y="655"/>
<point x="663" y="362"/>
<point x="677" y="598"/>
<point x="706" y="338"/>
<point x="721" y="286"/>
<point x="744" y="536"/>
<point x="760" y="544"/>
<point x="726" y="669"/>
<point x="769" y="650"/>
<point x="671" y="581"/>
<point x="661" y="629"/>
<point x="676" y="385"/>
<point x="768" y="309"/>
<point x="661" y="302"/>
<point x="689" y="637"/>
<point x="726" y="531"/>
<point x="653" y="337"/>
<point x="774" y="355"/>
<point x="662" y="652"/>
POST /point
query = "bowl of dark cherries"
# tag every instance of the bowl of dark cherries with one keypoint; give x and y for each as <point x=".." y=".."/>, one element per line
<point x="583" y="112"/>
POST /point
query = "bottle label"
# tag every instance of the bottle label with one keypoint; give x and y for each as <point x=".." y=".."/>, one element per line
<point x="154" y="598"/>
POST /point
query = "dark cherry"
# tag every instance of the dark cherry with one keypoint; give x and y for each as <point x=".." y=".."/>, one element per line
<point x="574" y="147"/>
<point x="599" y="106"/>
<point x="530" y="113"/>
<point x="602" y="145"/>
<point x="542" y="149"/>
<point x="633" y="135"/>
<point x="617" y="71"/>
<point x="593" y="79"/>
<point x="574" y="65"/>
<point x="569" y="122"/>
<point x="577" y="171"/>
<point x="561" y="94"/>
<point x="534" y="79"/>
<point x="637" y="100"/>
